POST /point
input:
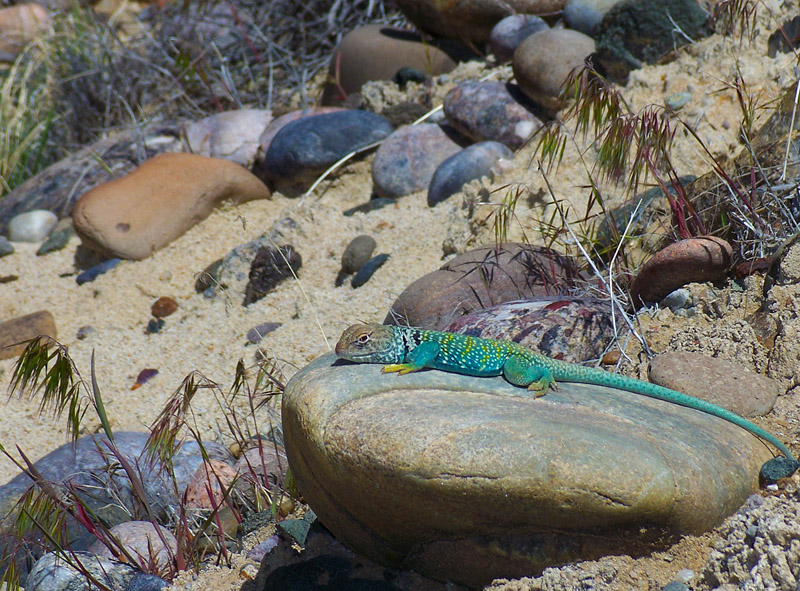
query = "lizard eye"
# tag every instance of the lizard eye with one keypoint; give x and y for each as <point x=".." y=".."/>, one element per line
<point x="363" y="339"/>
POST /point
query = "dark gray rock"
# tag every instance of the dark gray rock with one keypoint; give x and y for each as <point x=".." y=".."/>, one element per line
<point x="366" y="272"/>
<point x="303" y="149"/>
<point x="471" y="163"/>
<point x="726" y="384"/>
<point x="6" y="248"/>
<point x="255" y="334"/>
<point x="406" y="160"/>
<point x="567" y="328"/>
<point x="637" y="32"/>
<point x="371" y="205"/>
<point x="269" y="267"/>
<point x="469" y="479"/>
<point x="481" y="278"/>
<point x="95" y="272"/>
<point x="487" y="111"/>
<point x="511" y="31"/>
<point x="58" y="238"/>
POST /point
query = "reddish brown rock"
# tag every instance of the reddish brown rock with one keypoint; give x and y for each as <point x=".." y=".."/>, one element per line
<point x="133" y="216"/>
<point x="208" y="485"/>
<point x="21" y="24"/>
<point x="543" y="61"/>
<point x="15" y="332"/>
<point x="377" y="52"/>
<point x="726" y="384"/>
<point x="487" y="111"/>
<point x="163" y="307"/>
<point x="693" y="260"/>
<point x="480" y="278"/>
<point x="406" y="160"/>
<point x="470" y="20"/>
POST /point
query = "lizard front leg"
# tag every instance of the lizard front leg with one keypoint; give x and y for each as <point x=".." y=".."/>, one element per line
<point x="420" y="357"/>
<point x="522" y="371"/>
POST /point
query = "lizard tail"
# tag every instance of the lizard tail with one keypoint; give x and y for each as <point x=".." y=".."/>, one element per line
<point x="772" y="471"/>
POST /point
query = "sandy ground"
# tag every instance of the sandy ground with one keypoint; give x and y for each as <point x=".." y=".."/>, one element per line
<point x="208" y="335"/>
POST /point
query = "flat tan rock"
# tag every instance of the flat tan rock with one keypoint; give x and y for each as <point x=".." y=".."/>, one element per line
<point x="470" y="479"/>
<point x="15" y="333"/>
<point x="21" y="24"/>
<point x="133" y="216"/>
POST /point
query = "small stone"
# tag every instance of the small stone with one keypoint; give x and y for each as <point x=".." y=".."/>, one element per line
<point x="133" y="216"/>
<point x="58" y="238"/>
<point x="154" y="325"/>
<point x="248" y="572"/>
<point x="675" y="586"/>
<point x="677" y="101"/>
<point x="84" y="332"/>
<point x="513" y="30"/>
<point x="163" y="307"/>
<point x="94" y="272"/>
<point x="144" y="376"/>
<point x="722" y="382"/>
<point x="6" y="248"/>
<point x="231" y="135"/>
<point x="303" y="149"/>
<point x="543" y="61"/>
<point x="585" y="15"/>
<point x="257" y="552"/>
<point x="684" y="575"/>
<point x="255" y="334"/>
<point x="705" y="258"/>
<point x="406" y="160"/>
<point x="143" y="542"/>
<point x="469" y="164"/>
<point x="269" y="267"/>
<point x="53" y="573"/>
<point x="208" y="277"/>
<point x="265" y="465"/>
<point x="678" y="300"/>
<point x="358" y="252"/>
<point x="15" y="332"/>
<point x="31" y="226"/>
<point x="368" y="270"/>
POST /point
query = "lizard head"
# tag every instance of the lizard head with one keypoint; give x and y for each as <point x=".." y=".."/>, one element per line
<point x="367" y="343"/>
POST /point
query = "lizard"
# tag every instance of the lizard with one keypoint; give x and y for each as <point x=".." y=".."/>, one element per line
<point x="404" y="349"/>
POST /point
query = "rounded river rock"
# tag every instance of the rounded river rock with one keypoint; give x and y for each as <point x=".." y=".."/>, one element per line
<point x="469" y="479"/>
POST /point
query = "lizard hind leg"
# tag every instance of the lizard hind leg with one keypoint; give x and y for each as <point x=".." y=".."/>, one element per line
<point x="525" y="372"/>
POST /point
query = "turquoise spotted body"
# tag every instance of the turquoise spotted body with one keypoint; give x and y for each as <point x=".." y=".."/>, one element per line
<point x="405" y="349"/>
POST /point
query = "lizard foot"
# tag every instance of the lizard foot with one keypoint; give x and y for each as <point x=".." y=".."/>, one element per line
<point x="400" y="368"/>
<point x="541" y="386"/>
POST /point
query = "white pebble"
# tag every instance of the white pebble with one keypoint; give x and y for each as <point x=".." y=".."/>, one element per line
<point x="31" y="226"/>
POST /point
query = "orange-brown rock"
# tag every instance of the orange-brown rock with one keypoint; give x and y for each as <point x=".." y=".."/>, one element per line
<point x="135" y="215"/>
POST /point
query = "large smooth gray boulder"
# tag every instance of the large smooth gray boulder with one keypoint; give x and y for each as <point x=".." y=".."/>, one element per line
<point x="468" y="479"/>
